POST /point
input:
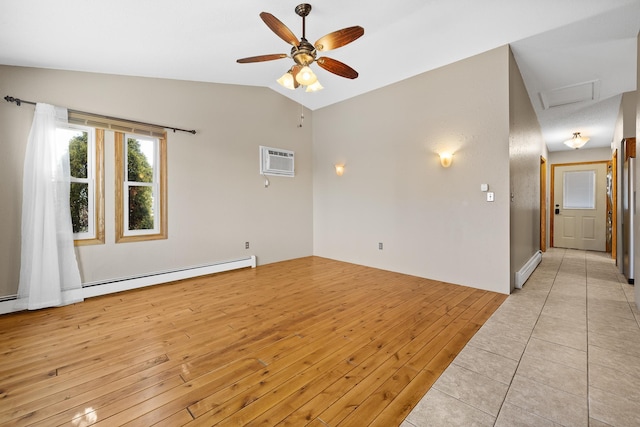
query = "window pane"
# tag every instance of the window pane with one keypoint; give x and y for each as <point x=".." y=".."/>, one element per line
<point x="78" y="154"/>
<point x="140" y="207"/>
<point x="140" y="155"/>
<point x="579" y="191"/>
<point x="79" y="201"/>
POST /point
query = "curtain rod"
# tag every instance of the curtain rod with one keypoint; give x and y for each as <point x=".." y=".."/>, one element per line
<point x="19" y="101"/>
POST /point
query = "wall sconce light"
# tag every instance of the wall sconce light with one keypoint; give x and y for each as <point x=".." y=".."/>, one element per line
<point x="339" y="170"/>
<point x="446" y="159"/>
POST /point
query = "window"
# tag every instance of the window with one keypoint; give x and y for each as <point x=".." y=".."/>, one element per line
<point x="579" y="190"/>
<point x="141" y="198"/>
<point x="86" y="160"/>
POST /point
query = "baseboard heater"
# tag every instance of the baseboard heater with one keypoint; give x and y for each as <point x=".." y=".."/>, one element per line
<point x="94" y="289"/>
<point x="523" y="274"/>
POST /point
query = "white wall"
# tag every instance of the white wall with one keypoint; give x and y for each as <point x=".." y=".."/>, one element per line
<point x="433" y="222"/>
<point x="217" y="199"/>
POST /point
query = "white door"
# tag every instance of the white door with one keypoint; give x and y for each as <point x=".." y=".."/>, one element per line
<point x="580" y="206"/>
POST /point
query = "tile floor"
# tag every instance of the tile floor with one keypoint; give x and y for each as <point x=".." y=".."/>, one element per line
<point x="563" y="351"/>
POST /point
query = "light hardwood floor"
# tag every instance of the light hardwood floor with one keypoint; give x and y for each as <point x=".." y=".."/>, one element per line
<point x="303" y="342"/>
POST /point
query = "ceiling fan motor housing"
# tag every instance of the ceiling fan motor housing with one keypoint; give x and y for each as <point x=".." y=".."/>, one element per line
<point x="304" y="53"/>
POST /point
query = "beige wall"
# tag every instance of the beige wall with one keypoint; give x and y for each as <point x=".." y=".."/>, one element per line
<point x="581" y="155"/>
<point x="217" y="199"/>
<point x="433" y="222"/>
<point x="526" y="145"/>
<point x="629" y="103"/>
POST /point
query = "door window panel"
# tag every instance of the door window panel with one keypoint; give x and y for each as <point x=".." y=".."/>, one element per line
<point x="579" y="190"/>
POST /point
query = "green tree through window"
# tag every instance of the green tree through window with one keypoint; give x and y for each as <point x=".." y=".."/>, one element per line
<point x="79" y="191"/>
<point x="140" y="196"/>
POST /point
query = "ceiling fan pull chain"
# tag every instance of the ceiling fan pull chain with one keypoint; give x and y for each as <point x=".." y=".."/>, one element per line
<point x="301" y="116"/>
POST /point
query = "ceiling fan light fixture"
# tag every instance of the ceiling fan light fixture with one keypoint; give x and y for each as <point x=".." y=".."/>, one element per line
<point x="306" y="77"/>
<point x="304" y="53"/>
<point x="314" y="87"/>
<point x="577" y="141"/>
<point x="286" y="80"/>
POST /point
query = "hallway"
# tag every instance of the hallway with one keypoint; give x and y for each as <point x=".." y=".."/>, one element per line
<point x="563" y="351"/>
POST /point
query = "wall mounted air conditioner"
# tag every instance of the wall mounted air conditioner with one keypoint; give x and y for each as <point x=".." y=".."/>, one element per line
<point x="276" y="161"/>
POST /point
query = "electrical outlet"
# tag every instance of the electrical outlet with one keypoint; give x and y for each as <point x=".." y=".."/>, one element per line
<point x="380" y="245"/>
<point x="246" y="245"/>
<point x="490" y="196"/>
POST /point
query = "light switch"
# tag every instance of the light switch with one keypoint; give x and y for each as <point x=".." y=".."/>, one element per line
<point x="484" y="187"/>
<point x="490" y="196"/>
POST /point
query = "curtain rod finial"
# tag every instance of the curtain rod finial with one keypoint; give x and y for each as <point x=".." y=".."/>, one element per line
<point x="12" y="99"/>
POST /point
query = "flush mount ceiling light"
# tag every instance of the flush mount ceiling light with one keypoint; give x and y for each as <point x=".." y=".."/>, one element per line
<point x="304" y="53"/>
<point x="577" y="141"/>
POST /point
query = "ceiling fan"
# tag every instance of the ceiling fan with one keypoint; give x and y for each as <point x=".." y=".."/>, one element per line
<point x="304" y="53"/>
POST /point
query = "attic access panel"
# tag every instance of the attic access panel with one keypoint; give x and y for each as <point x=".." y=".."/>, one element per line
<point x="587" y="91"/>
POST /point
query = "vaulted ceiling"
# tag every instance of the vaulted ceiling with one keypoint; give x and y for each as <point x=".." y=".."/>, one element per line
<point x="577" y="57"/>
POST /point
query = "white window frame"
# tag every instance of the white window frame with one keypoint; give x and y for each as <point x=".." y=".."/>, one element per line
<point x="90" y="234"/>
<point x="155" y="187"/>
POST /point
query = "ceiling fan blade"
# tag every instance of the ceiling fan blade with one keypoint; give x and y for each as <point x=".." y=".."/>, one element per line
<point x="337" y="67"/>
<point x="338" y="38"/>
<point x="279" y="28"/>
<point x="262" y="58"/>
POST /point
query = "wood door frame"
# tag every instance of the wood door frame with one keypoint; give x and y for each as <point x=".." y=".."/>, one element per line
<point x="543" y="204"/>
<point x="552" y="187"/>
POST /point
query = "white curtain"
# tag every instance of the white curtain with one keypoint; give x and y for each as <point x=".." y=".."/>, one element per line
<point x="49" y="274"/>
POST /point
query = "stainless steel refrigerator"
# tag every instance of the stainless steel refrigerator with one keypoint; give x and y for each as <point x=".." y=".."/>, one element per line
<point x="628" y="206"/>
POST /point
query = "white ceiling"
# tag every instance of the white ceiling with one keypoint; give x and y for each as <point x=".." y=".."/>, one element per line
<point x="557" y="43"/>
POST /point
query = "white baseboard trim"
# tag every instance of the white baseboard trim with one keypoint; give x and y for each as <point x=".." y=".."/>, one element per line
<point x="523" y="274"/>
<point x="7" y="306"/>
<point x="94" y="289"/>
